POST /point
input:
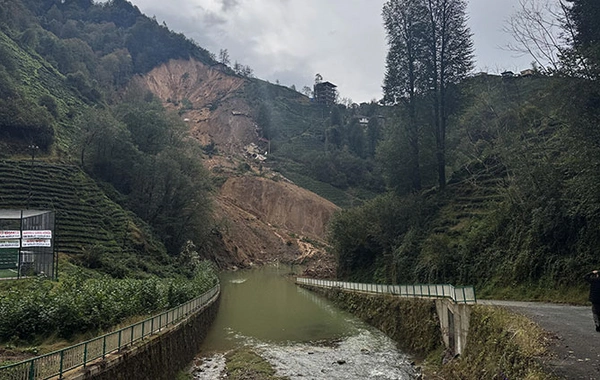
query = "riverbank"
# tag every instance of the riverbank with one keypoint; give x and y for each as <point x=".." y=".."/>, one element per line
<point x="500" y="344"/>
<point x="282" y="331"/>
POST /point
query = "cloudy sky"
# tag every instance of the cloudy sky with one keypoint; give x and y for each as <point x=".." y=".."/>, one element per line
<point x="343" y="40"/>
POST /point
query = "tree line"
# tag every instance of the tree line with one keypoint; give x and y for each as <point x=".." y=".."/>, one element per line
<point x="521" y="154"/>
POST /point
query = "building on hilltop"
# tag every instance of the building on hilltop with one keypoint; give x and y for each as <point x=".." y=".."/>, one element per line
<point x="325" y="93"/>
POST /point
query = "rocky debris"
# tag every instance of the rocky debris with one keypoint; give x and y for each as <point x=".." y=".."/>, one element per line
<point x="260" y="216"/>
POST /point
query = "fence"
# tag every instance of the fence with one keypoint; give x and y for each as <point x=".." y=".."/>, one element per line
<point x="59" y="362"/>
<point x="458" y="294"/>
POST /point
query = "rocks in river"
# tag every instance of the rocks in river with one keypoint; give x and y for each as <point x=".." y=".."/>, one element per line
<point x="340" y="362"/>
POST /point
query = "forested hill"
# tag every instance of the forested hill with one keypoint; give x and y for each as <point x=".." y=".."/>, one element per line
<point x="66" y="101"/>
<point x="507" y="200"/>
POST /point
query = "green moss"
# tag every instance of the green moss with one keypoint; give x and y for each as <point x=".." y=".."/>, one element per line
<point x="412" y="323"/>
<point x="245" y="364"/>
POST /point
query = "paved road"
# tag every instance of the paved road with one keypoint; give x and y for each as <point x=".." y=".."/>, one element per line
<point x="576" y="345"/>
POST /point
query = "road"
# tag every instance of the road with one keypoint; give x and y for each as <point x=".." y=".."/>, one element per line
<point x="576" y="344"/>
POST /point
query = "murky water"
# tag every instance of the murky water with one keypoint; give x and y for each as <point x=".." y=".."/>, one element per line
<point x="301" y="334"/>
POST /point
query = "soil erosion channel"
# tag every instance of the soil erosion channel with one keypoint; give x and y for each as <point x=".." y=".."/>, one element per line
<point x="299" y="333"/>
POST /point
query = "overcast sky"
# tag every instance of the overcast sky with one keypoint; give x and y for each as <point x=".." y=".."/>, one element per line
<point x="343" y="40"/>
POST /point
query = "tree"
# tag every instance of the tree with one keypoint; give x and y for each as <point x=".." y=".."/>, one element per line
<point x="449" y="59"/>
<point x="224" y="57"/>
<point x="430" y="51"/>
<point x="318" y="78"/>
<point x="582" y="20"/>
<point x="536" y="29"/>
<point x="405" y="78"/>
<point x="307" y="91"/>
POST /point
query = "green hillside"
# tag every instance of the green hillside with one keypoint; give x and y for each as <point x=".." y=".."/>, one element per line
<point x="93" y="230"/>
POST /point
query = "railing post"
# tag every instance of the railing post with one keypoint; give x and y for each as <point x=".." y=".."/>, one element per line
<point x="85" y="354"/>
<point x="104" y="347"/>
<point x="60" y="368"/>
<point x="32" y="370"/>
<point x="119" y="343"/>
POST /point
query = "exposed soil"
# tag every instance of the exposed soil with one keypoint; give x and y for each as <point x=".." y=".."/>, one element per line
<point x="261" y="216"/>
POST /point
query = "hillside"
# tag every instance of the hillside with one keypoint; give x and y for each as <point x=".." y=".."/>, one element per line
<point x="91" y="229"/>
<point x="262" y="216"/>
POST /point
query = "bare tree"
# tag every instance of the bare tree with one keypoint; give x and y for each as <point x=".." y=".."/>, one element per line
<point x="540" y="29"/>
<point x="224" y="57"/>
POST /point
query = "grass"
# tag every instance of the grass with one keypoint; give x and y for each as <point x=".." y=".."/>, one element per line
<point x="501" y="345"/>
<point x="537" y="293"/>
<point x="245" y="364"/>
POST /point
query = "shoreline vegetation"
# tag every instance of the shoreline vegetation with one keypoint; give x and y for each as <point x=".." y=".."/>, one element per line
<point x="38" y="316"/>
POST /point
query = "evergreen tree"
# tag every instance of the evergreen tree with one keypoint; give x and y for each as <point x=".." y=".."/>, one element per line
<point x="449" y="59"/>
<point x="582" y="21"/>
<point x="405" y="78"/>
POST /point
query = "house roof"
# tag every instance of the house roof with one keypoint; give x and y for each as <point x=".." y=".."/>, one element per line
<point x="16" y="214"/>
<point x="325" y="84"/>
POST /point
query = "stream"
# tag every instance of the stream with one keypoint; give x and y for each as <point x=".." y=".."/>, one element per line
<point x="302" y="335"/>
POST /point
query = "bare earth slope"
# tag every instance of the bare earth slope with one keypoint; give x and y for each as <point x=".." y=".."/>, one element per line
<point x="261" y="216"/>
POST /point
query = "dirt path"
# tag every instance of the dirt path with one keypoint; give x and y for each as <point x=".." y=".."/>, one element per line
<point x="576" y="344"/>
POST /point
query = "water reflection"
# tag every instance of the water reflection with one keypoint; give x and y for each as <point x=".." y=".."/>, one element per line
<point x="263" y="304"/>
<point x="301" y="334"/>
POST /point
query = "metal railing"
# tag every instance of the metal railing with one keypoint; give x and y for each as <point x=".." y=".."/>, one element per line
<point x="58" y="362"/>
<point x="458" y="294"/>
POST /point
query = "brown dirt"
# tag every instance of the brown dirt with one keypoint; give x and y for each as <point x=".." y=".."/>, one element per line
<point x="261" y="216"/>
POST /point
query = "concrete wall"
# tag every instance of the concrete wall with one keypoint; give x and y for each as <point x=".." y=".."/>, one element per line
<point x="397" y="317"/>
<point x="161" y="357"/>
<point x="454" y="324"/>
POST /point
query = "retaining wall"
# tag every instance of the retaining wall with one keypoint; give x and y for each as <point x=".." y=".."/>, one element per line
<point x="410" y="322"/>
<point x="161" y="357"/>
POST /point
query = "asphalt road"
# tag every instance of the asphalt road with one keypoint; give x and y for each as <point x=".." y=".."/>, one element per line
<point x="576" y="344"/>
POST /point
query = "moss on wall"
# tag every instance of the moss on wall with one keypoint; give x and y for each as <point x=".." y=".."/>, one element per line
<point x="412" y="323"/>
<point x="500" y="344"/>
<point x="164" y="355"/>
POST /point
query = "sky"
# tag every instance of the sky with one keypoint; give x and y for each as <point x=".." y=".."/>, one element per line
<point x="290" y="41"/>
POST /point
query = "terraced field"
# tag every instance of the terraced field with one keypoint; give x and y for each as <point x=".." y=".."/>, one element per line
<point x="85" y="216"/>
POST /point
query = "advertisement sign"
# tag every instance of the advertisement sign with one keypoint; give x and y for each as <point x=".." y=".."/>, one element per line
<point x="37" y="243"/>
<point x="4" y="243"/>
<point x="37" y="234"/>
<point x="10" y="234"/>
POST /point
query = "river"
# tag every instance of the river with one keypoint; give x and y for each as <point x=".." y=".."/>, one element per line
<point x="299" y="333"/>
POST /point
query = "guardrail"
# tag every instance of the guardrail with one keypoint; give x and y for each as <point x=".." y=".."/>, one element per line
<point x="58" y="362"/>
<point x="458" y="294"/>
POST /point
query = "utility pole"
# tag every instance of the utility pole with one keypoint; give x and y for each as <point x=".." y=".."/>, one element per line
<point x="33" y="149"/>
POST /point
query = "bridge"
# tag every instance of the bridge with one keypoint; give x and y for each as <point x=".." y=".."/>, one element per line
<point x="452" y="303"/>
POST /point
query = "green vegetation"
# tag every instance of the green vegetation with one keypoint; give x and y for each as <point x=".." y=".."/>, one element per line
<point x="500" y="345"/>
<point x="517" y="217"/>
<point x="244" y="364"/>
<point x="324" y="149"/>
<point x="84" y="302"/>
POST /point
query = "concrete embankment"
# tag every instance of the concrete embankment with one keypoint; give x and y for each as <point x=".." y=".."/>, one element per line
<point x="500" y="344"/>
<point x="412" y="323"/>
<point x="159" y="358"/>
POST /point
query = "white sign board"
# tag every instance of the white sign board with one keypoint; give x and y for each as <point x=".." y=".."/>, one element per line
<point x="9" y="243"/>
<point x="10" y="234"/>
<point x="37" y="243"/>
<point x="37" y="234"/>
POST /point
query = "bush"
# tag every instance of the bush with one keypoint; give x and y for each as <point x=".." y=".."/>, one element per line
<point x="78" y="305"/>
